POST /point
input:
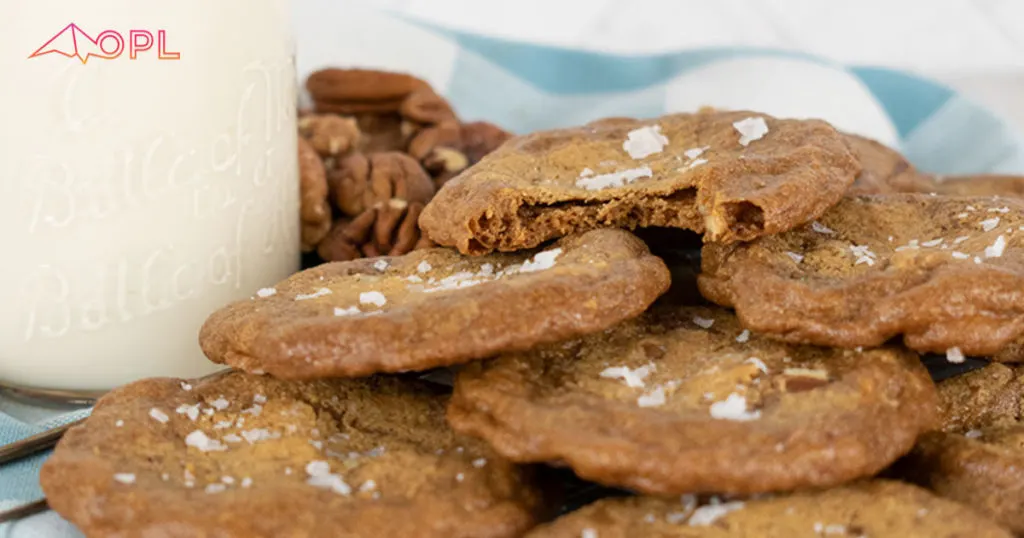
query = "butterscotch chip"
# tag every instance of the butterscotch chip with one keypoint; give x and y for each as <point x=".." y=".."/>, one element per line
<point x="684" y="400"/>
<point x="435" y="308"/>
<point x="945" y="272"/>
<point x="978" y="457"/>
<point x="251" y="456"/>
<point x="883" y="169"/>
<point x="875" y="509"/>
<point x="730" y="175"/>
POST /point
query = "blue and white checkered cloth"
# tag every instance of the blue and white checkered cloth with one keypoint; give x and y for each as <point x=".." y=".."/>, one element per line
<point x="525" y="87"/>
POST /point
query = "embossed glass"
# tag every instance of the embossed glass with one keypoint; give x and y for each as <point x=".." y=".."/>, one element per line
<point x="147" y="177"/>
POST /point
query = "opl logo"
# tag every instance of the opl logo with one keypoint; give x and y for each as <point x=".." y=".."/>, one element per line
<point x="73" y="42"/>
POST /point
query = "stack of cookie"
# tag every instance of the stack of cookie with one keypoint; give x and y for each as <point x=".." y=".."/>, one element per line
<point x="749" y="364"/>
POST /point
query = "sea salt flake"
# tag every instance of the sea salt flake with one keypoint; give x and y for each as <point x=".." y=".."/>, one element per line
<point x="159" y="415"/>
<point x="259" y="399"/>
<point x="614" y="179"/>
<point x="758" y="363"/>
<point x="588" y="533"/>
<point x="119" y="423"/>
<point x="954" y="355"/>
<point x="743" y="337"/>
<point x="424" y="267"/>
<point x="266" y="292"/>
<point x="350" y="311"/>
<point x="750" y="129"/>
<point x="795" y="257"/>
<point x="932" y="243"/>
<point x="479" y="462"/>
<point x="373" y="297"/>
<point x="256" y="435"/>
<point x="246" y="482"/>
<point x="654" y="398"/>
<point x="960" y="239"/>
<point x="198" y="439"/>
<point x="997" y="248"/>
<point x="821" y="228"/>
<point x="586" y="172"/>
<point x="693" y="153"/>
<point x="318" y="293"/>
<point x="232" y="438"/>
<point x="125" y="478"/>
<point x="191" y="411"/>
<point x="318" y="468"/>
<point x="185" y="386"/>
<point x="227" y="479"/>
<point x="703" y="323"/>
<point x="541" y="261"/>
<point x="960" y="255"/>
<point x="1002" y="210"/>
<point x="835" y="528"/>
<point x="990" y="224"/>
<point x="706" y="515"/>
<point x="644" y="141"/>
<point x="220" y="404"/>
<point x="972" y="434"/>
<point x="460" y="477"/>
<point x="695" y="163"/>
<point x="381" y="265"/>
<point x="633" y="377"/>
<point x="734" y="407"/>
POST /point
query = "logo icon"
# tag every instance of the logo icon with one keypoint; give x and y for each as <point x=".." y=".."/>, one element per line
<point x="73" y="42"/>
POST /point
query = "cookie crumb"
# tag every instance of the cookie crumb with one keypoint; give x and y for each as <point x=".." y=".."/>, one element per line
<point x="750" y="129"/>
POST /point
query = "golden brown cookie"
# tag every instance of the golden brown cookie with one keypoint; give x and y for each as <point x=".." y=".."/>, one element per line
<point x="434" y="307"/>
<point x="978" y="457"/>
<point x="883" y="169"/>
<point x="874" y="509"/>
<point x="249" y="456"/>
<point x="730" y="175"/>
<point x="684" y="400"/>
<point x="945" y="272"/>
<point x="982" y="185"/>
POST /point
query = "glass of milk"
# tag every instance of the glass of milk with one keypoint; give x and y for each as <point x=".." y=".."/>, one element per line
<point x="147" y="177"/>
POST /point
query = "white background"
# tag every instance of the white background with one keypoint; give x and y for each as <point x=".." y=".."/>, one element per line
<point x="977" y="46"/>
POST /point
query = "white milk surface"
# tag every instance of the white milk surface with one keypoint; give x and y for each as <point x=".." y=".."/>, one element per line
<point x="139" y="195"/>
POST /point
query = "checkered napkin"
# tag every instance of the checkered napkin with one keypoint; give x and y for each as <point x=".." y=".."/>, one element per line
<point x="525" y="87"/>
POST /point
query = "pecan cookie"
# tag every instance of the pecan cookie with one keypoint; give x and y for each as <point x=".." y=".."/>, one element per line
<point x="883" y="170"/>
<point x="978" y="457"/>
<point x="684" y="400"/>
<point x="249" y="456"/>
<point x="875" y="509"/>
<point x="945" y="272"/>
<point x="434" y="307"/>
<point x="730" y="175"/>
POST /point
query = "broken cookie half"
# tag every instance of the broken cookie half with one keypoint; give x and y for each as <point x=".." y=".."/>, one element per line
<point x="732" y="176"/>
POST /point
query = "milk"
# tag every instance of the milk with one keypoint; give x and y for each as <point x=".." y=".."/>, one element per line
<point x="142" y="189"/>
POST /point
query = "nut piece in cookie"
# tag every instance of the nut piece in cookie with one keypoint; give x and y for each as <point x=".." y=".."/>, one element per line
<point x="875" y="509"/>
<point x="732" y="176"/>
<point x="978" y="457"/>
<point x="434" y="308"/>
<point x="684" y="400"/>
<point x="249" y="456"/>
<point x="945" y="272"/>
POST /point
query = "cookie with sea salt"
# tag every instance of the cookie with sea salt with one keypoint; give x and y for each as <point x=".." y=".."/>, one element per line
<point x="872" y="509"/>
<point x="731" y="176"/>
<point x="978" y="456"/>
<point x="883" y="169"/>
<point x="947" y="273"/>
<point x="434" y="308"/>
<point x="981" y="185"/>
<point x="251" y="456"/>
<point x="684" y="400"/>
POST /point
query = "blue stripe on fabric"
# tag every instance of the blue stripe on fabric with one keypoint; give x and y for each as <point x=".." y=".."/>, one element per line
<point x="909" y="99"/>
